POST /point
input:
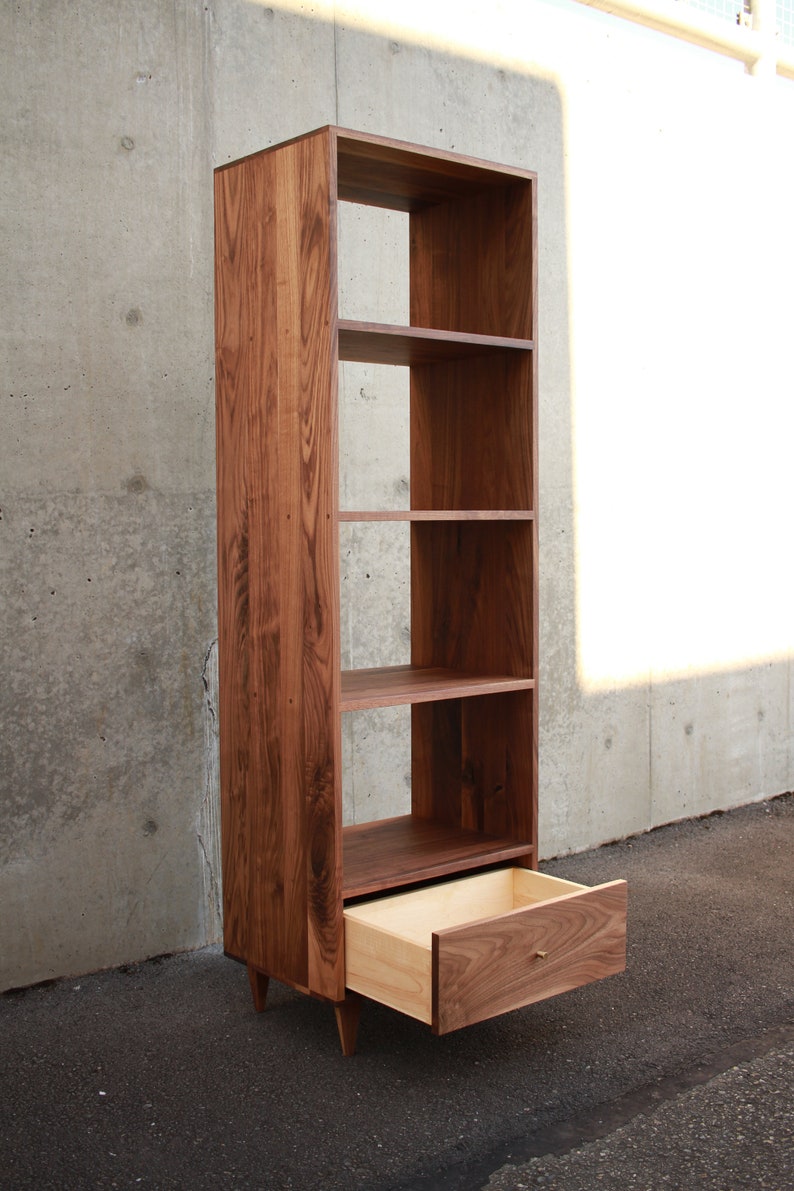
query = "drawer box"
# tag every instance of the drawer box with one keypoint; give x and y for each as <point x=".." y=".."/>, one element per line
<point x="461" y="951"/>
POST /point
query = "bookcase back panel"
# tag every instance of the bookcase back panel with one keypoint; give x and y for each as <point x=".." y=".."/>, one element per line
<point x="471" y="263"/>
<point x="471" y="434"/>
<point x="473" y="763"/>
<point x="472" y="595"/>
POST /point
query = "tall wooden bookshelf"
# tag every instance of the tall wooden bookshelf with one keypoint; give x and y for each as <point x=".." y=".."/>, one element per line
<point x="293" y="875"/>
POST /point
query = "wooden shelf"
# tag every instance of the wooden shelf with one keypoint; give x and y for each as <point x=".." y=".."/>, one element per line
<point x="384" y="343"/>
<point x="404" y="850"/>
<point x="394" y="686"/>
<point x="436" y="515"/>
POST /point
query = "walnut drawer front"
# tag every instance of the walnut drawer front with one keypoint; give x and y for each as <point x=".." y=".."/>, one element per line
<point x="461" y="951"/>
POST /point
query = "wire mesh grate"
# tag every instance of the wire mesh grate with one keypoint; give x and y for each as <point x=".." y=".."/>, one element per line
<point x="739" y="12"/>
<point x="728" y="10"/>
<point x="785" y="21"/>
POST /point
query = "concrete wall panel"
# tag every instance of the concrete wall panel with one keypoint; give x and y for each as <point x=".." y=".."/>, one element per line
<point x="105" y="602"/>
<point x="271" y="74"/>
<point x="107" y="538"/>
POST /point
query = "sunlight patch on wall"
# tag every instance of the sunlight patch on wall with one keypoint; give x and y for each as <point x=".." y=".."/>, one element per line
<point x="683" y="401"/>
<point x="679" y="247"/>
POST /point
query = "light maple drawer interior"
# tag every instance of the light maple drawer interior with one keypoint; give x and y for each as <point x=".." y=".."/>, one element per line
<point x="461" y="951"/>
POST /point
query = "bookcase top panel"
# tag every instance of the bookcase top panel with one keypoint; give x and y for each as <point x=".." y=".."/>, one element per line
<point x="382" y="172"/>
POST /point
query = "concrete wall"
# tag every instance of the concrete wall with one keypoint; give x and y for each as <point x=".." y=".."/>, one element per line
<point x="667" y="251"/>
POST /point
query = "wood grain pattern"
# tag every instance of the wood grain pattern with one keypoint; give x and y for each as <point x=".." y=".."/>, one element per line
<point x="497" y="756"/>
<point x="473" y="533"/>
<point x="471" y="263"/>
<point x="490" y="967"/>
<point x="471" y="588"/>
<point x="380" y="172"/>
<point x="382" y="343"/>
<point x="436" y="762"/>
<point x="417" y="914"/>
<point x="389" y="941"/>
<point x="383" y="172"/>
<point x="388" y="968"/>
<point x="472" y="764"/>
<point x="309" y="346"/>
<point x="233" y="366"/>
<point x="473" y="445"/>
<point x="403" y="850"/>
<point x="393" y="686"/>
<point x="436" y="515"/>
<point x="472" y="435"/>
<point x="276" y="904"/>
<point x="486" y="743"/>
<point x="457" y="952"/>
<point x="259" y="985"/>
<point x="277" y="368"/>
<point x="348" y="1014"/>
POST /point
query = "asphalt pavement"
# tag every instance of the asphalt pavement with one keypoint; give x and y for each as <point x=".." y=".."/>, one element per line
<point x="677" y="1074"/>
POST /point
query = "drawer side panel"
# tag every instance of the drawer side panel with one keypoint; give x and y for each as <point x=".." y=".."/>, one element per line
<point x="388" y="969"/>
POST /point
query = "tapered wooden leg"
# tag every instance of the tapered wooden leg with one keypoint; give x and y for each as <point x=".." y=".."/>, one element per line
<point x="259" y="982"/>
<point x="348" y="1013"/>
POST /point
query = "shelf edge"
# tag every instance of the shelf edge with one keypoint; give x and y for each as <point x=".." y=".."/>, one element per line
<point x="436" y="515"/>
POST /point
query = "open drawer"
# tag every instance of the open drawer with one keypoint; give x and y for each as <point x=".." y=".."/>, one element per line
<point x="461" y="951"/>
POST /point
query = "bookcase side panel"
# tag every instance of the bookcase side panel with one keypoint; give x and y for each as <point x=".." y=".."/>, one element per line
<point x="234" y="377"/>
<point x="309" y="364"/>
<point x="282" y="839"/>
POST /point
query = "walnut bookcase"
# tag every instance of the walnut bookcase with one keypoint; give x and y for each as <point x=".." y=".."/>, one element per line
<point x="291" y="871"/>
